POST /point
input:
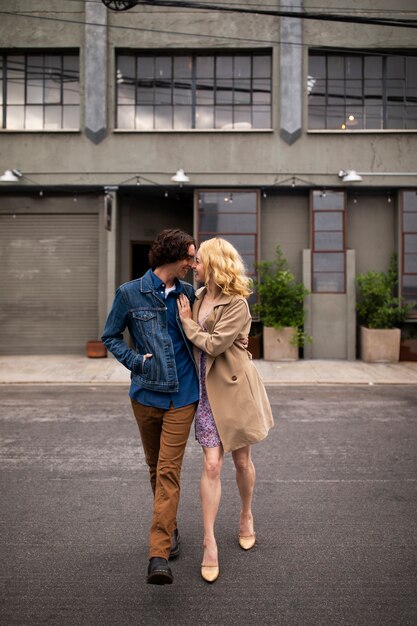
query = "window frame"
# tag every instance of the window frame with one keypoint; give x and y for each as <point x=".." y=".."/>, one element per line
<point x="26" y="104"/>
<point x="315" y="250"/>
<point x="408" y="104"/>
<point x="404" y="253"/>
<point x="233" y="108"/>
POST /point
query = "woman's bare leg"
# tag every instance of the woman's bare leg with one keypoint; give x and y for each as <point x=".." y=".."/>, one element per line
<point x="245" y="478"/>
<point x="210" y="490"/>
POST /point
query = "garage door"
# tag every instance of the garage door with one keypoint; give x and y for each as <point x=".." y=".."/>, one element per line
<point x="48" y="283"/>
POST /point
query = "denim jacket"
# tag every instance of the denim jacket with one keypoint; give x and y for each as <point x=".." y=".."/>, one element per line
<point x="138" y="307"/>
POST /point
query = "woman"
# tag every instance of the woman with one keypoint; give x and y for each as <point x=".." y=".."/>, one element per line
<point x="234" y="410"/>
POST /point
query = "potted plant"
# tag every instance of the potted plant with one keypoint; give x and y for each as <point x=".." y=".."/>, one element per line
<point x="281" y="309"/>
<point x="380" y="312"/>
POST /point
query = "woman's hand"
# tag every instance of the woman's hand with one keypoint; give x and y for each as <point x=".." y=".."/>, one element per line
<point x="184" y="308"/>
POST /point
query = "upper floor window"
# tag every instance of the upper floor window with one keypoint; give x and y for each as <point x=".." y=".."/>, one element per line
<point x="362" y="91"/>
<point x="40" y="91"/>
<point x="328" y="241"/>
<point x="193" y="91"/>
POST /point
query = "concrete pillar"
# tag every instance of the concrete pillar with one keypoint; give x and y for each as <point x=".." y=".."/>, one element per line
<point x="95" y="70"/>
<point x="291" y="74"/>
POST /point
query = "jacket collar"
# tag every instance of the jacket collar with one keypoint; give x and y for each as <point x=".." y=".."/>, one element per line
<point x="222" y="299"/>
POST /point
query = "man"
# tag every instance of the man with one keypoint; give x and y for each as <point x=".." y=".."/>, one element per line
<point x="164" y="384"/>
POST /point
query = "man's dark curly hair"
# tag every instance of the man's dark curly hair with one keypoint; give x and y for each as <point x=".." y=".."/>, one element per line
<point x="170" y="245"/>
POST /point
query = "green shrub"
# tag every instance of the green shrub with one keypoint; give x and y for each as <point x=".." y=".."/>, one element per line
<point x="281" y="297"/>
<point x="378" y="305"/>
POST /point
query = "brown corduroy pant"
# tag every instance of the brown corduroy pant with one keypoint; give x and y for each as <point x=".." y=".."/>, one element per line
<point x="164" y="434"/>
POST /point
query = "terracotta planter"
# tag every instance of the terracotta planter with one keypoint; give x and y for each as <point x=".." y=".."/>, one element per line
<point x="96" y="350"/>
<point x="408" y="350"/>
<point x="255" y="346"/>
<point x="380" y="345"/>
<point x="277" y="346"/>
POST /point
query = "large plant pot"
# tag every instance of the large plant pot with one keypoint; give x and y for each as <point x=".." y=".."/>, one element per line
<point x="380" y="345"/>
<point x="277" y="344"/>
<point x="408" y="350"/>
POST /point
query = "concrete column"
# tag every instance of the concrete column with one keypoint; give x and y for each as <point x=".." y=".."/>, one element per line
<point x="351" y="305"/>
<point x="95" y="70"/>
<point x="112" y="231"/>
<point x="291" y="74"/>
<point x="308" y="323"/>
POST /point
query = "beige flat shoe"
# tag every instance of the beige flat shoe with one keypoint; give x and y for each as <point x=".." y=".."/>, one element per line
<point x="210" y="573"/>
<point x="246" y="543"/>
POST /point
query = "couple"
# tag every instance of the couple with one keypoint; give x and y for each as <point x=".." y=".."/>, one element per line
<point x="187" y="361"/>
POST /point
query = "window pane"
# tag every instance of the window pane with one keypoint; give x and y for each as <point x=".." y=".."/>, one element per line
<point x="329" y="200"/>
<point x="182" y="67"/>
<point x="71" y="93"/>
<point x="71" y="117"/>
<point x="53" y="117"/>
<point x="204" y="67"/>
<point x="34" y="90"/>
<point x="328" y="283"/>
<point x="145" y="92"/>
<point x="204" y="117"/>
<point x="410" y="200"/>
<point x="205" y="92"/>
<point x="163" y="67"/>
<point x="410" y="221"/>
<point x="410" y="243"/>
<point x="34" y="117"/>
<point x="261" y="91"/>
<point x="182" y="117"/>
<point x="227" y="223"/>
<point x="410" y="263"/>
<point x="182" y="93"/>
<point x="163" y="92"/>
<point x="410" y="287"/>
<point x="224" y="117"/>
<point x="145" y="67"/>
<point x="411" y="117"/>
<point x="328" y="262"/>
<point x="335" y="67"/>
<point x="243" y="118"/>
<point x="317" y="66"/>
<point x="328" y="241"/>
<point x="242" y="67"/>
<point x="336" y="117"/>
<point x="15" y="117"/>
<point x="15" y="80"/>
<point x="261" y="117"/>
<point x="242" y="92"/>
<point x="261" y="66"/>
<point x="144" y="118"/>
<point x="328" y="220"/>
<point x="126" y="117"/>
<point x="373" y="67"/>
<point x="316" y="117"/>
<point x="224" y="91"/>
<point x="395" y="116"/>
<point x="224" y="67"/>
<point x="163" y="117"/>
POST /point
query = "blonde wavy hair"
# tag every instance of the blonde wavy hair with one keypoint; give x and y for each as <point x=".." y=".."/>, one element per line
<point x="224" y="266"/>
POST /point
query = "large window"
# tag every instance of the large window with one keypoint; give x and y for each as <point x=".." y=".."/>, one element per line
<point x="328" y="241"/>
<point x="193" y="91"/>
<point x="232" y="215"/>
<point x="40" y="91"/>
<point x="362" y="91"/>
<point x="409" y="233"/>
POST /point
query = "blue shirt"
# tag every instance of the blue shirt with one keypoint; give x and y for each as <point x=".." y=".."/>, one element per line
<point x="186" y="371"/>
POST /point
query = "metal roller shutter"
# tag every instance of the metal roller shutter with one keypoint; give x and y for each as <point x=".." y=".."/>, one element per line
<point x="48" y="283"/>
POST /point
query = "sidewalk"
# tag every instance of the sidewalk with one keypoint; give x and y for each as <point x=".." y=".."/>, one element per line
<point x="73" y="369"/>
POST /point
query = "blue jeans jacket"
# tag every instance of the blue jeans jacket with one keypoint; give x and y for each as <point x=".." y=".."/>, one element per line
<point x="138" y="307"/>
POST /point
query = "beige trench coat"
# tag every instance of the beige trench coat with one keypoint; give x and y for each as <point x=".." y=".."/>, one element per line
<point x="235" y="391"/>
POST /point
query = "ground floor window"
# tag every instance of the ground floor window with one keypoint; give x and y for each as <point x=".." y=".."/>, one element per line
<point x="328" y="241"/>
<point x="409" y="246"/>
<point x="232" y="215"/>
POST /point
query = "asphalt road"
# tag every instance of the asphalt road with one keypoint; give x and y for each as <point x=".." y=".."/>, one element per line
<point x="335" y="512"/>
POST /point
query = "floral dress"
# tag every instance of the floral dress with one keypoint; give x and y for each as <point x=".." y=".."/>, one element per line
<point x="205" y="427"/>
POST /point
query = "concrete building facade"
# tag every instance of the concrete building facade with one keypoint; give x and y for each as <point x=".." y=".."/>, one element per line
<point x="292" y="131"/>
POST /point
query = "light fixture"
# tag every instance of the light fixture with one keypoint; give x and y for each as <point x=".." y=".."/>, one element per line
<point x="180" y="177"/>
<point x="11" y="176"/>
<point x="350" y="176"/>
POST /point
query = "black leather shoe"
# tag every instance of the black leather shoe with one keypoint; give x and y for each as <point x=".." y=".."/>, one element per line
<point x="175" y="545"/>
<point x="159" y="572"/>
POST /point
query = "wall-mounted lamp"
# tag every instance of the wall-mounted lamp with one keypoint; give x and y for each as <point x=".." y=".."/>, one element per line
<point x="350" y="176"/>
<point x="180" y="177"/>
<point x="11" y="176"/>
